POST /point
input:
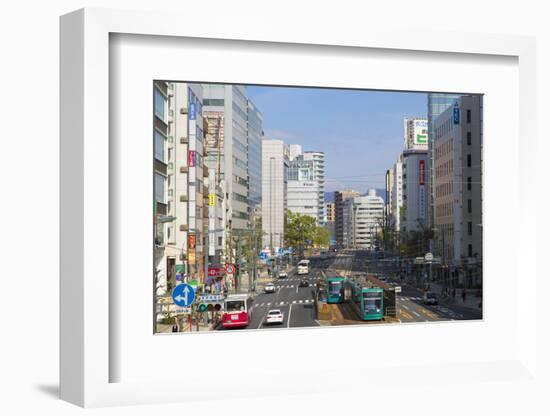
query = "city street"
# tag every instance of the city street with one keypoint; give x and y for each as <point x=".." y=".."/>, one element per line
<point x="409" y="303"/>
<point x="296" y="303"/>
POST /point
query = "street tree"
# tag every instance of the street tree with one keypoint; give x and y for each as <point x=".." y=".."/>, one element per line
<point x="300" y="231"/>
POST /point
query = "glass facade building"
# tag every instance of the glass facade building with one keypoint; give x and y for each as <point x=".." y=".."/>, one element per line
<point x="255" y="134"/>
<point x="437" y="104"/>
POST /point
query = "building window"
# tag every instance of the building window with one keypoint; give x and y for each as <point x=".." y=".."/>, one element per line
<point x="160" y="141"/>
<point x="470" y="251"/>
<point x="469" y="138"/>
<point x="468" y="116"/>
<point x="160" y="104"/>
<point x="160" y="181"/>
<point x="469" y="206"/>
<point x="469" y="183"/>
<point x="469" y="161"/>
<point x="469" y="228"/>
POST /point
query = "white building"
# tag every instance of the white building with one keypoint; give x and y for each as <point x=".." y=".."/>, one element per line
<point x="306" y="184"/>
<point x="275" y="160"/>
<point x="415" y="190"/>
<point x="397" y="193"/>
<point x="303" y="198"/>
<point x="363" y="219"/>
<point x="183" y="228"/>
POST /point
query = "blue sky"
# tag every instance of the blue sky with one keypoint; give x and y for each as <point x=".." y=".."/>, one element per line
<point x="361" y="132"/>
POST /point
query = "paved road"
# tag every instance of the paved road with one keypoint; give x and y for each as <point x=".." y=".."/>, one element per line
<point x="409" y="302"/>
<point x="296" y="303"/>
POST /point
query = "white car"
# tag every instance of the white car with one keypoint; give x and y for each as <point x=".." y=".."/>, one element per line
<point x="274" y="316"/>
<point x="283" y="275"/>
<point x="269" y="288"/>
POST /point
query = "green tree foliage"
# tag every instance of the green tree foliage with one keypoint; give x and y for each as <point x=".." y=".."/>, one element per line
<point x="321" y="237"/>
<point x="300" y="230"/>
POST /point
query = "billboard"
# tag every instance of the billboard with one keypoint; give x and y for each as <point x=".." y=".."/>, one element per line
<point x="416" y="133"/>
<point x="420" y="132"/>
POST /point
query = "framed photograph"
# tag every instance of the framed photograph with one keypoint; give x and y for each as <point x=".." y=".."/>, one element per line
<point x="233" y="207"/>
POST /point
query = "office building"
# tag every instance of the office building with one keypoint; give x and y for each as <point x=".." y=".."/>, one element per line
<point x="184" y="229"/>
<point x="363" y="220"/>
<point x="457" y="189"/>
<point x="339" y="198"/>
<point x="437" y="104"/>
<point x="275" y="163"/>
<point x="414" y="191"/>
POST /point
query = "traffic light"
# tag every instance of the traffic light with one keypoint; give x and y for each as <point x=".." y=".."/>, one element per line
<point x="218" y="307"/>
<point x="202" y="307"/>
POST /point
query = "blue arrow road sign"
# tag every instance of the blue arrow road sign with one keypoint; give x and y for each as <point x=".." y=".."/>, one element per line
<point x="183" y="295"/>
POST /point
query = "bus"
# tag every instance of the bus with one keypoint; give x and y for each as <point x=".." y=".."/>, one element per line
<point x="237" y="311"/>
<point x="303" y="267"/>
<point x="335" y="289"/>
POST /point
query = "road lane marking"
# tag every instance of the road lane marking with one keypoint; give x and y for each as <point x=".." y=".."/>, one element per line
<point x="269" y="304"/>
<point x="301" y="301"/>
<point x="416" y="313"/>
<point x="289" y="314"/>
<point x="256" y="305"/>
<point x="293" y="301"/>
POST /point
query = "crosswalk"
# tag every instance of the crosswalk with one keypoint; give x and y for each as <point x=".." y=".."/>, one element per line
<point x="285" y="302"/>
<point x="291" y="286"/>
<point x="416" y="298"/>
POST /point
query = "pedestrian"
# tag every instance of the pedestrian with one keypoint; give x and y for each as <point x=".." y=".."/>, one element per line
<point x="454" y="293"/>
<point x="175" y="328"/>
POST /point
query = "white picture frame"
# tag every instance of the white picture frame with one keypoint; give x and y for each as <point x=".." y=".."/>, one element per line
<point x="86" y="353"/>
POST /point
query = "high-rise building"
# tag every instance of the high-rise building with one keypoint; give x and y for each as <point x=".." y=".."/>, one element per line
<point x="303" y="190"/>
<point x="275" y="162"/>
<point x="458" y="144"/>
<point x="184" y="227"/>
<point x="363" y="220"/>
<point x="339" y="198"/>
<point x="231" y="103"/>
<point x="254" y="135"/>
<point x="437" y="104"/>
<point x="397" y="193"/>
<point x="414" y="189"/>
<point x="160" y="175"/>
<point x="330" y="210"/>
<point x="318" y="159"/>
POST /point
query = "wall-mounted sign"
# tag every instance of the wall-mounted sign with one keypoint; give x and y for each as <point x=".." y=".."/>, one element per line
<point x="422" y="172"/>
<point x="192" y="241"/>
<point x="191" y="158"/>
<point x="456" y="114"/>
<point x="192" y="111"/>
<point x="212" y="199"/>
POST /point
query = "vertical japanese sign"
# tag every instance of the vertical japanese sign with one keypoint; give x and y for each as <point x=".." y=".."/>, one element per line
<point x="192" y="111"/>
<point x="212" y="199"/>
<point x="191" y="158"/>
<point x="456" y="114"/>
<point x="192" y="241"/>
<point x="421" y="188"/>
